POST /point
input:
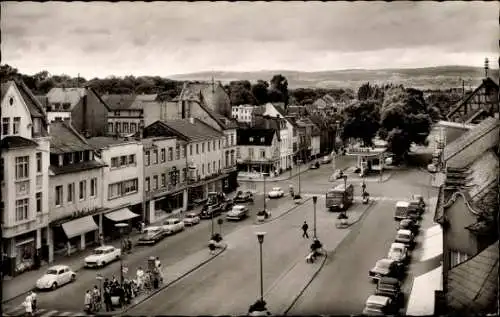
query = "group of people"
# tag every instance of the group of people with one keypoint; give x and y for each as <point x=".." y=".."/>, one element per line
<point x="30" y="304"/>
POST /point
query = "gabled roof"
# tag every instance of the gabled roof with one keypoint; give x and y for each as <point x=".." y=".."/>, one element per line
<point x="257" y="137"/>
<point x="196" y="131"/>
<point x="119" y="101"/>
<point x="141" y="101"/>
<point x="62" y="95"/>
<point x="16" y="142"/>
<point x="488" y="82"/>
<point x="473" y="284"/>
<point x="44" y="100"/>
<point x="267" y="122"/>
<point x="65" y="139"/>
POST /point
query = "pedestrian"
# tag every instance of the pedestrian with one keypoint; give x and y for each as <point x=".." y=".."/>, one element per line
<point x="305" y="226"/>
<point x="140" y="277"/>
<point x="28" y="306"/>
<point x="129" y="245"/>
<point x="88" y="301"/>
<point x="157" y="262"/>
<point x="106" y="283"/>
<point x="33" y="302"/>
<point x="107" y="299"/>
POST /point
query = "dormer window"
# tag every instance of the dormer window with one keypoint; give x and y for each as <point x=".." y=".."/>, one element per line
<point x="251" y="139"/>
<point x="80" y="156"/>
<point x="262" y="139"/>
<point x="61" y="160"/>
<point x="66" y="105"/>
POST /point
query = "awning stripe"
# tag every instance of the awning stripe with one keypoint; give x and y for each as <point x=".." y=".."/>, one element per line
<point x="121" y="215"/>
<point x="79" y="226"/>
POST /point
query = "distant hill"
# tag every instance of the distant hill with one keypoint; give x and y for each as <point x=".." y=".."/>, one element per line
<point x="441" y="77"/>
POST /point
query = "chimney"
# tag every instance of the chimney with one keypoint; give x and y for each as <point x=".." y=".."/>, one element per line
<point x="84" y="110"/>
<point x="486" y="67"/>
<point x="191" y="120"/>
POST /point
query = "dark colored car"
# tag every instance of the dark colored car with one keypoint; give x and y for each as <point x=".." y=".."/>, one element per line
<point x="243" y="197"/>
<point x="409" y="224"/>
<point x="210" y="211"/>
<point x="152" y="235"/>
<point x="390" y="287"/>
<point x="386" y="267"/>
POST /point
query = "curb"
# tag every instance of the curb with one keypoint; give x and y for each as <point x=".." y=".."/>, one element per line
<point x="307" y="285"/>
<point x="163" y="287"/>
<point x="284" y="213"/>
<point x="370" y="205"/>
<point x="277" y="179"/>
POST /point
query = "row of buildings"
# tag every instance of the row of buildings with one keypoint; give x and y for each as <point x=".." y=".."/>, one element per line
<point x="74" y="163"/>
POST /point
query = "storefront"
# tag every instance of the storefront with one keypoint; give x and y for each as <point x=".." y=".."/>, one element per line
<point x="122" y="215"/>
<point x="230" y="183"/>
<point x="74" y="235"/>
<point x="20" y="253"/>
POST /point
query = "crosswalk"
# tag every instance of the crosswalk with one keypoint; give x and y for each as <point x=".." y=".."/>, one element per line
<point x="20" y="310"/>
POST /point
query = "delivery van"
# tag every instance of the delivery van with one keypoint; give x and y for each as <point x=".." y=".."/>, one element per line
<point x="339" y="197"/>
<point x="401" y="211"/>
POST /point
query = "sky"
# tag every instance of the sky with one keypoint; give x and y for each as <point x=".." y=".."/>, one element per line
<point x="98" y="39"/>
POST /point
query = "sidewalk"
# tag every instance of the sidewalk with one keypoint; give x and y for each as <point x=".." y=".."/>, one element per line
<point x="287" y="206"/>
<point x="282" y="177"/>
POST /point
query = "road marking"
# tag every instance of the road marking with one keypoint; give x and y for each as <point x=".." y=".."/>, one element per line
<point x="66" y="314"/>
<point x="50" y="313"/>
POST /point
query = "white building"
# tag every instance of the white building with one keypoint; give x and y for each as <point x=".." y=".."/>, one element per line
<point x="288" y="139"/>
<point x="244" y="113"/>
<point x="25" y="178"/>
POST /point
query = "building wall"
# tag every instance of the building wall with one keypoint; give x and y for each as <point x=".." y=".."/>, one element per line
<point x="128" y="116"/>
<point x="469" y="153"/>
<point x="197" y="112"/>
<point x="219" y="100"/>
<point x="152" y="112"/>
<point x="118" y="174"/>
<point x="90" y="115"/>
<point x="457" y="237"/>
<point x="52" y="115"/>
<point x="17" y="109"/>
<point x="315" y="144"/>
<point x="202" y="159"/>
<point x="69" y="208"/>
<point x="242" y="113"/>
<point x="230" y="146"/>
<point x="271" y="111"/>
<point x="272" y="152"/>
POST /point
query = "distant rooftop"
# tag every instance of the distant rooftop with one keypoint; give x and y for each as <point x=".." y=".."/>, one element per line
<point x="102" y="142"/>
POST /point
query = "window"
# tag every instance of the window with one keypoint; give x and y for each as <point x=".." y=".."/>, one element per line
<point x="83" y="190"/>
<point x="147" y="184"/>
<point x="208" y="168"/>
<point x="133" y="127"/>
<point x="155" y="182"/>
<point x="162" y="155"/>
<point x="203" y="169"/>
<point x="93" y="187"/>
<point x="177" y="152"/>
<point x="457" y="257"/>
<point x="262" y="140"/>
<point x="114" y="190"/>
<point x="250" y="139"/>
<point x="203" y="147"/>
<point x="38" y="162"/>
<point x="16" y="125"/>
<point x="38" y="202"/>
<point x="114" y="162"/>
<point x="250" y="153"/>
<point x="238" y="154"/>
<point x="155" y="156"/>
<point x="262" y="153"/>
<point x="123" y="160"/>
<point x="213" y="166"/>
<point x="71" y="192"/>
<point x="59" y="195"/>
<point x="190" y="149"/>
<point x="148" y="158"/>
<point x="5" y="126"/>
<point x="170" y="153"/>
<point x="130" y="186"/>
<point x="197" y="149"/>
<point x="117" y="129"/>
<point x="80" y="156"/>
<point x="122" y="188"/>
<point x="208" y="146"/>
<point x="131" y="159"/>
<point x="22" y="167"/>
<point x="22" y="209"/>
<point x="219" y="144"/>
<point x="232" y="139"/>
<point x="213" y="145"/>
<point x="163" y="180"/>
<point x="184" y="151"/>
<point x="125" y="127"/>
<point x="110" y="127"/>
<point x="117" y="113"/>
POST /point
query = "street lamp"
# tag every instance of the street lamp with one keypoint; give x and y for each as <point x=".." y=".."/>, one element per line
<point x="264" y="175"/>
<point x="260" y="238"/>
<point x="315" y="200"/>
<point x="300" y="162"/>
<point x="220" y="221"/>
<point x="120" y="227"/>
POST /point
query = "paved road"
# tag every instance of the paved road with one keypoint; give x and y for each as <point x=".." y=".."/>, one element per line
<point x="230" y="283"/>
<point x="172" y="249"/>
<point x="342" y="287"/>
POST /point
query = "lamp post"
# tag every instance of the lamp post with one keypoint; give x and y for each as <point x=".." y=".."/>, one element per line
<point x="220" y="221"/>
<point x="300" y="162"/>
<point x="120" y="227"/>
<point x="315" y="200"/>
<point x="260" y="238"/>
<point x="264" y="175"/>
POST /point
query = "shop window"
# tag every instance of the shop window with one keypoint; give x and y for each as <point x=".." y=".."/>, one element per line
<point x="133" y="127"/>
<point x="110" y="127"/>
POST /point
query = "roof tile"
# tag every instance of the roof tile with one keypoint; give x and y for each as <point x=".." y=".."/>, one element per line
<point x="195" y="131"/>
<point x="65" y="139"/>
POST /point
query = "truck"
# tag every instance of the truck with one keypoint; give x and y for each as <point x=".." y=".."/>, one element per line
<point x="339" y="197"/>
<point x="401" y="211"/>
<point x="215" y="205"/>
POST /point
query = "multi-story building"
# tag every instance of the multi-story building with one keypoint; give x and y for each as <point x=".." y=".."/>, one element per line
<point x="165" y="178"/>
<point x="87" y="111"/>
<point x="203" y="153"/>
<point x="246" y="113"/>
<point x="291" y="141"/>
<point x="24" y="178"/>
<point x="212" y="95"/>
<point x="122" y="184"/>
<point x="259" y="151"/>
<point x="75" y="191"/>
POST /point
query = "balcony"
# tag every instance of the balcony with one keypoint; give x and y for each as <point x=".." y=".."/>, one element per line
<point x="22" y="188"/>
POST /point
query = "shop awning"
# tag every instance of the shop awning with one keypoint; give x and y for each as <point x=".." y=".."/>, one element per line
<point x="421" y="301"/>
<point x="121" y="215"/>
<point x="433" y="243"/>
<point x="79" y="226"/>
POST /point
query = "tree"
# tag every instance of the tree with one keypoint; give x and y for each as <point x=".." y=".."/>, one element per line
<point x="240" y="93"/>
<point x="259" y="91"/>
<point x="280" y="84"/>
<point x="361" y="121"/>
<point x="365" y="91"/>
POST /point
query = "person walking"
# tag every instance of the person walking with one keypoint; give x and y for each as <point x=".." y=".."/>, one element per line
<point x="28" y="306"/>
<point x="140" y="278"/>
<point x="305" y="226"/>
<point x="107" y="300"/>
<point x="33" y="302"/>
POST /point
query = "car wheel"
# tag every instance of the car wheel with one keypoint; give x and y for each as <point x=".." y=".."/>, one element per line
<point x="73" y="278"/>
<point x="103" y="263"/>
<point x="54" y="286"/>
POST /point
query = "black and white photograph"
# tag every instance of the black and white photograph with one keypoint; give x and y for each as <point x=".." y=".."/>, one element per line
<point x="249" y="158"/>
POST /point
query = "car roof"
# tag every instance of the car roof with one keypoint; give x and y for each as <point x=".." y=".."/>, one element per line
<point x="276" y="188"/>
<point x="192" y="214"/>
<point x="385" y="261"/>
<point x="172" y="219"/>
<point x="402" y="204"/>
<point x="406" y="221"/>
<point x="398" y="245"/>
<point x="105" y="247"/>
<point x="377" y="299"/>
<point x="388" y="280"/>
<point x="404" y="231"/>
<point x="58" y="267"/>
<point x="152" y="228"/>
<point x="239" y="206"/>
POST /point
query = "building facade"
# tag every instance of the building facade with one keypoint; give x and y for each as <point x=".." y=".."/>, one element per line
<point x="291" y="140"/>
<point x="259" y="151"/>
<point x="24" y="180"/>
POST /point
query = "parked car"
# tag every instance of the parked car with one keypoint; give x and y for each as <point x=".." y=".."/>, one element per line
<point x="385" y="267"/>
<point x="209" y="211"/>
<point x="326" y="159"/>
<point x="409" y="224"/>
<point x="237" y="213"/>
<point x="227" y="204"/>
<point x="243" y="197"/>
<point x="102" y="256"/>
<point x="432" y="168"/>
<point x="173" y="225"/>
<point x="191" y="219"/>
<point x="406" y="237"/>
<point x="276" y="192"/>
<point x="314" y="166"/>
<point x="338" y="174"/>
<point x="390" y="287"/>
<point x="152" y="235"/>
<point x="56" y="276"/>
<point x="399" y="252"/>
<point x="377" y="305"/>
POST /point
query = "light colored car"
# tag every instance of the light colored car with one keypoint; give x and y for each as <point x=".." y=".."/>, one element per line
<point x="398" y="252"/>
<point x="191" y="219"/>
<point x="56" y="276"/>
<point x="377" y="305"/>
<point x="102" y="256"/>
<point x="385" y="267"/>
<point x="326" y="159"/>
<point x="276" y="192"/>
<point x="237" y="213"/>
<point x="173" y="225"/>
<point x="405" y="236"/>
<point x="432" y="168"/>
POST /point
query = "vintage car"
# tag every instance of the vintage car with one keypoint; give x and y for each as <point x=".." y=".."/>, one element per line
<point x="326" y="159"/>
<point x="173" y="225"/>
<point x="385" y="267"/>
<point x="152" y="235"/>
<point x="191" y="219"/>
<point x="390" y="287"/>
<point x="409" y="224"/>
<point x="56" y="276"/>
<point x="406" y="237"/>
<point x="237" y="213"/>
<point x="377" y="305"/>
<point x="276" y="192"/>
<point x="103" y="255"/>
<point x="338" y="174"/>
<point x="399" y="252"/>
<point x="209" y="211"/>
<point x="243" y="197"/>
